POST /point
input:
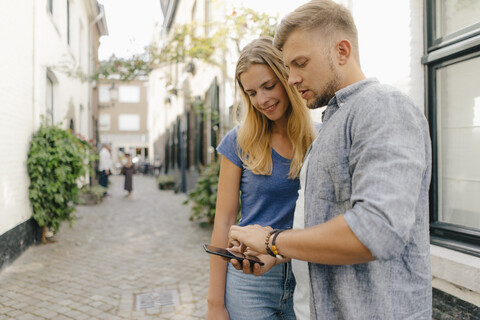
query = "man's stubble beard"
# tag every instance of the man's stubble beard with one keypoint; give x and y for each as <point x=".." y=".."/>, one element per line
<point x="331" y="87"/>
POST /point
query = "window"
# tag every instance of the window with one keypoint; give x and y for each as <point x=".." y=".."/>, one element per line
<point x="104" y="94"/>
<point x="129" y="94"/>
<point x="129" y="122"/>
<point x="455" y="18"/>
<point x="104" y="124"/>
<point x="452" y="62"/>
<point x="81" y="45"/>
<point x="213" y="95"/>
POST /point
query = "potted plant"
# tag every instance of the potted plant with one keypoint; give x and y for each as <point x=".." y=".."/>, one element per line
<point x="166" y="182"/>
<point x="204" y="196"/>
<point x="89" y="195"/>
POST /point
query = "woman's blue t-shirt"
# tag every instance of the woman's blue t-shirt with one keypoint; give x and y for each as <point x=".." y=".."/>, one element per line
<point x="266" y="200"/>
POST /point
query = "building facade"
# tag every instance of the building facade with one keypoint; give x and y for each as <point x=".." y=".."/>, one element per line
<point x="123" y="119"/>
<point x="185" y="99"/>
<point x="45" y="39"/>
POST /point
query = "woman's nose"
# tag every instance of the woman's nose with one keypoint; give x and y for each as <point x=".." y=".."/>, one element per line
<point x="262" y="98"/>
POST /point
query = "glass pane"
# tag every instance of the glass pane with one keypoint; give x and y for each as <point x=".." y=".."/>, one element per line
<point x="129" y="94"/>
<point x="104" y="122"/>
<point x="458" y="119"/>
<point x="104" y="94"/>
<point x="129" y="122"/>
<point x="453" y="15"/>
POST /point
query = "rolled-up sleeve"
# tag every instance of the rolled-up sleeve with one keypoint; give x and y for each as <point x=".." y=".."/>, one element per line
<point x="388" y="161"/>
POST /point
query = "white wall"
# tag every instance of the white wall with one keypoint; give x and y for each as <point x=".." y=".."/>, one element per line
<point x="16" y="121"/>
<point x="32" y="41"/>
<point x="52" y="51"/>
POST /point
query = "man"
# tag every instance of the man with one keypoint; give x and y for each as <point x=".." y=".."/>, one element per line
<point x="105" y="165"/>
<point x="362" y="212"/>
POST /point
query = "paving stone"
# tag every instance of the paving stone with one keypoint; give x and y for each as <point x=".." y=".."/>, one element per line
<point x="15" y="313"/>
<point x="29" y="316"/>
<point x="116" y="250"/>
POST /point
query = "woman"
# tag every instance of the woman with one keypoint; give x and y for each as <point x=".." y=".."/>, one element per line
<point x="128" y="171"/>
<point x="261" y="161"/>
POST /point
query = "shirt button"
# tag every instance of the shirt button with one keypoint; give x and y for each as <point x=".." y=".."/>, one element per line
<point x="341" y="104"/>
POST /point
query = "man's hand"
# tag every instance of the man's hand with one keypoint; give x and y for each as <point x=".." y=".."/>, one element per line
<point x="249" y="236"/>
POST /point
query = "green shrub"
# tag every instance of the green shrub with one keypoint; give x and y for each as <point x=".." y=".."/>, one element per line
<point x="91" y="194"/>
<point x="204" y="196"/>
<point x="56" y="161"/>
<point x="166" y="182"/>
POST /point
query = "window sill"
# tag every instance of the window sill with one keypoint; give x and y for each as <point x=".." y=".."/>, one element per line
<point x="456" y="273"/>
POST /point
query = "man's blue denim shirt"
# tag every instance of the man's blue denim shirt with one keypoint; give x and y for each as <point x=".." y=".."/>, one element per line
<point x="372" y="162"/>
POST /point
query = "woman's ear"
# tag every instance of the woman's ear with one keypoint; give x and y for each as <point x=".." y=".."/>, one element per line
<point x="343" y="51"/>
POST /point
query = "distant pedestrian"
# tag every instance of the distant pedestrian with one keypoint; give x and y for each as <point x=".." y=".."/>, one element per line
<point x="128" y="172"/>
<point x="105" y="165"/>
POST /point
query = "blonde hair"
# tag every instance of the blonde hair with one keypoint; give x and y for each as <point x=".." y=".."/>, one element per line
<point x="254" y="135"/>
<point x="330" y="19"/>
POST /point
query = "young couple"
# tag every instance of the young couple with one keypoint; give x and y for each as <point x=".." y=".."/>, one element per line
<point x="359" y="247"/>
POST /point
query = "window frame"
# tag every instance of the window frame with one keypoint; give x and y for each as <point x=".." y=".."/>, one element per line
<point x="441" y="52"/>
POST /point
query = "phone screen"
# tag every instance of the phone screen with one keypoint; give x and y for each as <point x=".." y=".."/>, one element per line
<point x="231" y="255"/>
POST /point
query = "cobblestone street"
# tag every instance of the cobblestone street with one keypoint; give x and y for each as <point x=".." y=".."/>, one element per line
<point x="126" y="258"/>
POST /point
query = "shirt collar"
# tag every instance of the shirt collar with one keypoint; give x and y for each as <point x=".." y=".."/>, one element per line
<point x="342" y="95"/>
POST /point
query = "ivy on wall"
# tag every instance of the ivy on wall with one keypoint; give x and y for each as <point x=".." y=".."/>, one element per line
<point x="56" y="160"/>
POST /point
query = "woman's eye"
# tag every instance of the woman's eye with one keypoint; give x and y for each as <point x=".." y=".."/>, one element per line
<point x="251" y="94"/>
<point x="270" y="87"/>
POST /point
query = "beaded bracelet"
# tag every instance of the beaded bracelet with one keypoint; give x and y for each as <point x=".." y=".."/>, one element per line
<point x="274" y="247"/>
<point x="267" y="241"/>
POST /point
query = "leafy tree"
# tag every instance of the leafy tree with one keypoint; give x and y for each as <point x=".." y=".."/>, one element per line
<point x="192" y="41"/>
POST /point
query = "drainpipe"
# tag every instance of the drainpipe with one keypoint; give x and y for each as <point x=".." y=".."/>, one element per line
<point x="34" y="52"/>
<point x="90" y="51"/>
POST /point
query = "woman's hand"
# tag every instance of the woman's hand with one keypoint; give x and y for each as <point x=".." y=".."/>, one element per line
<point x="249" y="236"/>
<point x="217" y="312"/>
<point x="257" y="270"/>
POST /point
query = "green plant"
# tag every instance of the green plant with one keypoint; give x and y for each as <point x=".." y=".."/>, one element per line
<point x="56" y="161"/>
<point x="204" y="196"/>
<point x="166" y="182"/>
<point x="91" y="194"/>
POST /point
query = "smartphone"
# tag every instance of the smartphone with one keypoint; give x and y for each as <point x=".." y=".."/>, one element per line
<point x="231" y="255"/>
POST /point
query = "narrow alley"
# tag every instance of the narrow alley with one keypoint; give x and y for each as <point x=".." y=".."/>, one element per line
<point x="126" y="258"/>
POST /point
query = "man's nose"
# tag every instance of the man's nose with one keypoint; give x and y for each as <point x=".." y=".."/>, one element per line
<point x="294" y="78"/>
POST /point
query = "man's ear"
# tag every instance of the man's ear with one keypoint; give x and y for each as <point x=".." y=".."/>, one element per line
<point x="344" y="51"/>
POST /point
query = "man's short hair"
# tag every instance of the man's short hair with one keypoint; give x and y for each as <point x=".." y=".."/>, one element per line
<point x="331" y="19"/>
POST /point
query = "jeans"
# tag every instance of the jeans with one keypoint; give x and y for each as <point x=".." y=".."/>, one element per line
<point x="103" y="179"/>
<point x="266" y="297"/>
